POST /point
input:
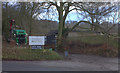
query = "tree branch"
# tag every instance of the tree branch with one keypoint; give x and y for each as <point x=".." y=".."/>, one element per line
<point x="78" y="24"/>
<point x="66" y="13"/>
<point x="54" y="4"/>
<point x="110" y="28"/>
<point x="90" y="24"/>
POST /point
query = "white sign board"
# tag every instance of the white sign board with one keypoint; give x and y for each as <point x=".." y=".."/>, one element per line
<point x="37" y="40"/>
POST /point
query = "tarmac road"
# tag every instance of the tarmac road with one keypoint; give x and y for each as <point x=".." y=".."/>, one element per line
<point x="22" y="66"/>
<point x="76" y="63"/>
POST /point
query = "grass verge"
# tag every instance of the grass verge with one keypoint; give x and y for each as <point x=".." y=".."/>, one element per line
<point x="29" y="54"/>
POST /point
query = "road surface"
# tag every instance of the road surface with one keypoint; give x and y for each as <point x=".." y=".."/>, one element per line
<point x="75" y="63"/>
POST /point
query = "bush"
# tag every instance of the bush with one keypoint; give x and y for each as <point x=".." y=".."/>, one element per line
<point x="108" y="52"/>
<point x="102" y="52"/>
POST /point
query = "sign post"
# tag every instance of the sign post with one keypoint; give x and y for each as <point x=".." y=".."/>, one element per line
<point x="37" y="42"/>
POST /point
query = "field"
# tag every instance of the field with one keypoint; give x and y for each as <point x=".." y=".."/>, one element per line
<point x="89" y="43"/>
<point x="92" y="40"/>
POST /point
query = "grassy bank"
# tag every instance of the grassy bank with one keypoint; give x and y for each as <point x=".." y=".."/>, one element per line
<point x="29" y="54"/>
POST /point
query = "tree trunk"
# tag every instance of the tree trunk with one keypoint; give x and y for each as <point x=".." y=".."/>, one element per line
<point x="30" y="29"/>
<point x="60" y="28"/>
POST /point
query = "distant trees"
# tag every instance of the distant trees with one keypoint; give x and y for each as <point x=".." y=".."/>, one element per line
<point x="24" y="14"/>
<point x="5" y="19"/>
<point x="31" y="10"/>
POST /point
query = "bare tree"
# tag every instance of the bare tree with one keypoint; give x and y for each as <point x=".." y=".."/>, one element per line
<point x="64" y="8"/>
<point x="24" y="14"/>
<point x="96" y="11"/>
<point x="30" y="10"/>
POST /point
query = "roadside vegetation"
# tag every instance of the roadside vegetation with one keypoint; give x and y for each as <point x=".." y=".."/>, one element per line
<point x="29" y="54"/>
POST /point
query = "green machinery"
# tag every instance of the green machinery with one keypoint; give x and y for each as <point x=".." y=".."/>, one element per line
<point x="20" y="36"/>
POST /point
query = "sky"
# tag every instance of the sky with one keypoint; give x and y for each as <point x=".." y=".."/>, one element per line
<point x="72" y="16"/>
